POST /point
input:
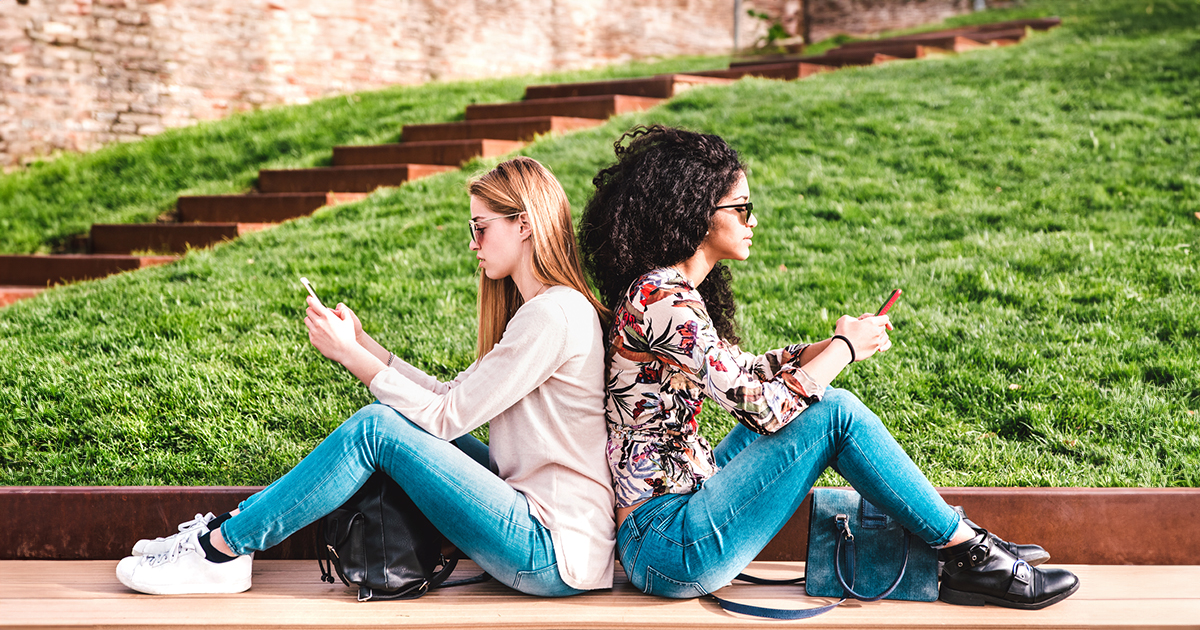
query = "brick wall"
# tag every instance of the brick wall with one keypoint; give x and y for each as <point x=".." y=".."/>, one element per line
<point x="825" y="18"/>
<point x="76" y="74"/>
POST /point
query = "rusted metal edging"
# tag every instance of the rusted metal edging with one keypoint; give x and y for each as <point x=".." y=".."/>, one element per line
<point x="1077" y="525"/>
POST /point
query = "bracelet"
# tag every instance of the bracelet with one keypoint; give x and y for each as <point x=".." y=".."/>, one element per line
<point x="848" y="345"/>
<point x="393" y="356"/>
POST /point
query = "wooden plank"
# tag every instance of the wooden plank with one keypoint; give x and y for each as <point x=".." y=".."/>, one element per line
<point x="287" y="594"/>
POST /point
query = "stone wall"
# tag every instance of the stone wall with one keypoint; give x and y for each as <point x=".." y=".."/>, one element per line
<point x="76" y="74"/>
<point x="825" y="18"/>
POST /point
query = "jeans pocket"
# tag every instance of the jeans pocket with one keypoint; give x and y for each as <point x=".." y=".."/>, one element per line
<point x="663" y="586"/>
<point x="544" y="582"/>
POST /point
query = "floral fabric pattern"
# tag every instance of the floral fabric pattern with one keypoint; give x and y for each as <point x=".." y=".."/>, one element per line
<point x="666" y="359"/>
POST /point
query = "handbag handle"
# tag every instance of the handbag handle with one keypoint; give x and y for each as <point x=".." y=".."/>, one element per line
<point x="846" y="541"/>
<point x="773" y="613"/>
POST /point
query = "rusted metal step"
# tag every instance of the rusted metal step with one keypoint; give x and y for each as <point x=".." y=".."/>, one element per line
<point x="901" y="50"/>
<point x="1037" y="24"/>
<point x="40" y="271"/>
<point x="787" y="71"/>
<point x="1077" y="525"/>
<point x="999" y="38"/>
<point x="10" y="294"/>
<point x="165" y="237"/>
<point x="448" y="152"/>
<point x="660" y="86"/>
<point x="970" y="32"/>
<point x="953" y="43"/>
<point x="249" y="208"/>
<point x="600" y="106"/>
<point x="344" y="178"/>
<point x="267" y="208"/>
<point x="505" y="129"/>
<point x="850" y="58"/>
<point x="834" y="58"/>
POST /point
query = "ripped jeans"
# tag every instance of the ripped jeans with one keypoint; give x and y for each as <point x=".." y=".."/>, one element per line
<point x="688" y="545"/>
<point x="450" y="482"/>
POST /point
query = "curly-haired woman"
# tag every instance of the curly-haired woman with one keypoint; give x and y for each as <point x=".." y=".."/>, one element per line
<point x="690" y="518"/>
<point x="534" y="508"/>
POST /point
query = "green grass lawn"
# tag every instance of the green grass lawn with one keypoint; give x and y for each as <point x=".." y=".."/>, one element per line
<point x="1036" y="204"/>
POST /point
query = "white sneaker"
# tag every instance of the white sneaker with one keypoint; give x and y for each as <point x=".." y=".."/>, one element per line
<point x="147" y="547"/>
<point x="184" y="570"/>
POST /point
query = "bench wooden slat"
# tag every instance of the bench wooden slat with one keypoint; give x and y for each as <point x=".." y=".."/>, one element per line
<point x="288" y="594"/>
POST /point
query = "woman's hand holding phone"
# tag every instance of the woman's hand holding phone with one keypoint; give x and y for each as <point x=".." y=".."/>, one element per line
<point x="331" y="332"/>
<point x="868" y="333"/>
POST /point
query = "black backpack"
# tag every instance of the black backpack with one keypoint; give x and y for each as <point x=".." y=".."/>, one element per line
<point x="380" y="542"/>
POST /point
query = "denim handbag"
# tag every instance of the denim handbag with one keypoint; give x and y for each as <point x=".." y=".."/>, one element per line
<point x="855" y="550"/>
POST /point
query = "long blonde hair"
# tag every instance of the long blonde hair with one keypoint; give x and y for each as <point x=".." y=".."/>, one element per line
<point x="523" y="185"/>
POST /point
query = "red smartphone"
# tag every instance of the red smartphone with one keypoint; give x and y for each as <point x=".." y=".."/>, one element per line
<point x="888" y="304"/>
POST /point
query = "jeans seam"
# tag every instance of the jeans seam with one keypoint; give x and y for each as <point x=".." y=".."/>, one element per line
<point x="653" y="573"/>
<point x="883" y="479"/>
<point x="791" y="464"/>
<point x="523" y="574"/>
<point x="240" y="548"/>
<point x="462" y="490"/>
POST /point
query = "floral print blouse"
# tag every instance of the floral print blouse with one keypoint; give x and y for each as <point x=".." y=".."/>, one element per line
<point x="666" y="359"/>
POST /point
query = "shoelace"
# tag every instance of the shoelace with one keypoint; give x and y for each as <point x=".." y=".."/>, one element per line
<point x="201" y="520"/>
<point x="182" y="544"/>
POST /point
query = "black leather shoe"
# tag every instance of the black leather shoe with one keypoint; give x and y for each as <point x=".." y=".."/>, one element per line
<point x="980" y="572"/>
<point x="1032" y="554"/>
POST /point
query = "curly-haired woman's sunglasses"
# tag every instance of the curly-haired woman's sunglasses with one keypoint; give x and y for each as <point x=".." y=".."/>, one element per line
<point x="747" y="208"/>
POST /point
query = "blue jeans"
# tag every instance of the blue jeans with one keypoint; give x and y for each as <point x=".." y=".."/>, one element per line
<point x="688" y="545"/>
<point x="450" y="482"/>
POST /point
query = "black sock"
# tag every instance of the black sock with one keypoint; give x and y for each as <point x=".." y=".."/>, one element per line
<point x="210" y="552"/>
<point x="217" y="520"/>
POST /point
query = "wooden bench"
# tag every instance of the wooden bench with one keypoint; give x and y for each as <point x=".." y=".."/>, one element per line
<point x="1135" y="550"/>
<point x="288" y="594"/>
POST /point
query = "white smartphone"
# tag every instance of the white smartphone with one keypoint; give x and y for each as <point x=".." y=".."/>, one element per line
<point x="308" y="286"/>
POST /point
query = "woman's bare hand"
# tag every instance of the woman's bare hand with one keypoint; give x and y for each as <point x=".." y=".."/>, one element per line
<point x="868" y="333"/>
<point x="331" y="332"/>
<point x="345" y="313"/>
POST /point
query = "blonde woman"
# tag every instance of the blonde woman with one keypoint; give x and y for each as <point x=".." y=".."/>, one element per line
<point x="535" y="507"/>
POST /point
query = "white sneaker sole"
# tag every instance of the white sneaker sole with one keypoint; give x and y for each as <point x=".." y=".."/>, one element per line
<point x="127" y="574"/>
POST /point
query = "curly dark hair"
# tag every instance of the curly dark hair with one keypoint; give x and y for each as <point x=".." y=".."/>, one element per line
<point x="652" y="209"/>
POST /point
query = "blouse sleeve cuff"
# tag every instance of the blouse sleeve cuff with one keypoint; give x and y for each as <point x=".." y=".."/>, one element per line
<point x="803" y="385"/>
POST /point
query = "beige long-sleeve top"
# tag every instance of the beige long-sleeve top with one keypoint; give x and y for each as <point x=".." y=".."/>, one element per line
<point x="542" y="389"/>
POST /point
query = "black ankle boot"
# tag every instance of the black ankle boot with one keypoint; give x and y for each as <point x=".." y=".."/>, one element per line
<point x="1032" y="554"/>
<point x="980" y="572"/>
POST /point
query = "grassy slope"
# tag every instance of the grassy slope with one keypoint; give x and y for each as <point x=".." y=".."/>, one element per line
<point x="1036" y="204"/>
